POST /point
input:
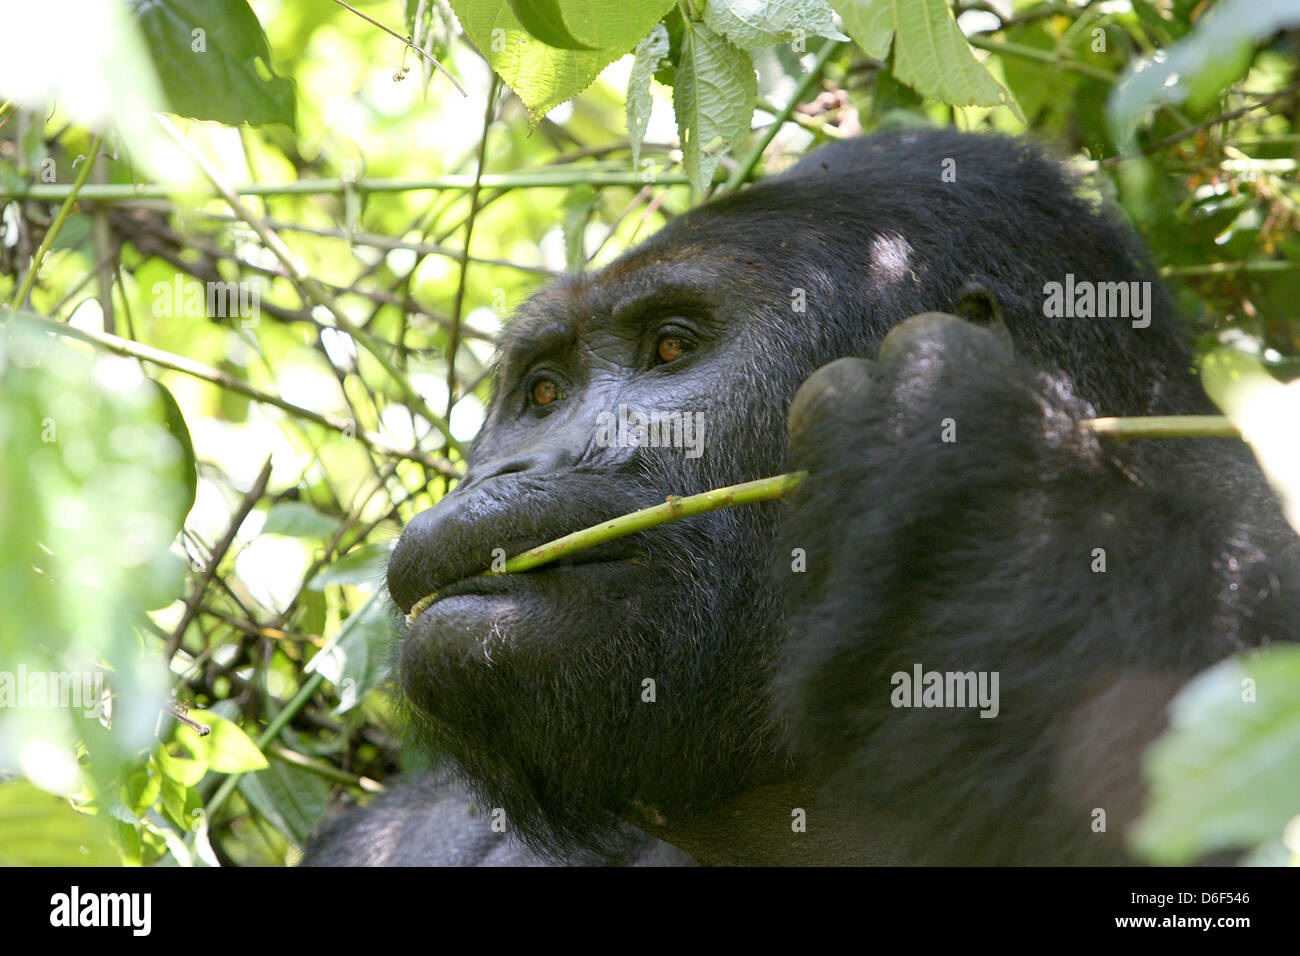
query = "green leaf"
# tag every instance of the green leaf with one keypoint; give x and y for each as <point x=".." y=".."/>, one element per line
<point x="754" y="24"/>
<point x="649" y="53"/>
<point x="714" y="92"/>
<point x="291" y="798"/>
<point x="363" y="565"/>
<point x="1227" y="772"/>
<point x="139" y="791"/>
<point x="207" y="54"/>
<point x="173" y="801"/>
<point x="930" y="51"/>
<point x="41" y="829"/>
<point x="1266" y="411"/>
<point x="189" y="466"/>
<point x="355" y="661"/>
<point x="183" y="770"/>
<point x="91" y="482"/>
<point x="579" y="202"/>
<point x="297" y="519"/>
<point x="544" y="76"/>
<point x="1198" y="66"/>
<point x="226" y="748"/>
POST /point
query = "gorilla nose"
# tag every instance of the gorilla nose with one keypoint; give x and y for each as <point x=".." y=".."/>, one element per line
<point x="540" y="462"/>
<point x="494" y="504"/>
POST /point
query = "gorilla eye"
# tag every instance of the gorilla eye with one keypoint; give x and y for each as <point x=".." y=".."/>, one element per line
<point x="546" y="391"/>
<point x="669" y="348"/>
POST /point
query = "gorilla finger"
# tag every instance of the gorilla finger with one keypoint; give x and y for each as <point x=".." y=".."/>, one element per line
<point x="844" y="382"/>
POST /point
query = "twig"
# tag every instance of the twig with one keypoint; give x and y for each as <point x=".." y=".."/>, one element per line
<point x="1164" y="426"/>
<point x="458" y="303"/>
<point x="1198" y="127"/>
<point x="763" y="489"/>
<point x="52" y="233"/>
<point x="541" y="177"/>
<point x="186" y="366"/>
<point x="232" y="531"/>
<point x="408" y="42"/>
<point x="1053" y="58"/>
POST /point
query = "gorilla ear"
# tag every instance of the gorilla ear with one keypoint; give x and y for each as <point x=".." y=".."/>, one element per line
<point x="976" y="303"/>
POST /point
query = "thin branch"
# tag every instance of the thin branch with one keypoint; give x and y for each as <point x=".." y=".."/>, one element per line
<point x="207" y="373"/>
<point x="408" y="42"/>
<point x="218" y="553"/>
<point x="25" y="288"/>
<point x="765" y="489"/>
<point x="541" y="177"/>
<point x="1163" y="426"/>
<point x="1199" y="127"/>
<point x="458" y="302"/>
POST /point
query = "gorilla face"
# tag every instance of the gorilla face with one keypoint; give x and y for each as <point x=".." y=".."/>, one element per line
<point x="534" y="683"/>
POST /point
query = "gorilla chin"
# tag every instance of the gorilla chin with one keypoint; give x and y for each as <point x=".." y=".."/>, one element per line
<point x="538" y="697"/>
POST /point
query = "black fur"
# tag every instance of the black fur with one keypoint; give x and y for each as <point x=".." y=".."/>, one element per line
<point x="973" y="555"/>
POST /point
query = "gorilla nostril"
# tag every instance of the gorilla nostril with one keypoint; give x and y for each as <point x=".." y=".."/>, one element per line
<point x="546" y="461"/>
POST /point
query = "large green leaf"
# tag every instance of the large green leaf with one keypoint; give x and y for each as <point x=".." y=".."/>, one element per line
<point x="1227" y="772"/>
<point x="207" y="55"/>
<point x="297" y="519"/>
<point x="363" y="565"/>
<point x="292" y="798"/>
<point x="356" y="659"/>
<point x="40" y="829"/>
<point x="225" y="748"/>
<point x="930" y="51"/>
<point x="91" y="486"/>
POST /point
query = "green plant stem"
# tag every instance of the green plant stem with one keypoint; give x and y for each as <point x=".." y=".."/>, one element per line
<point x="187" y="366"/>
<point x="277" y="724"/>
<point x="748" y="492"/>
<point x="408" y="41"/>
<point x="53" y="232"/>
<point x="746" y="166"/>
<point x="530" y="179"/>
<point x="1164" y="426"/>
<point x="1042" y="56"/>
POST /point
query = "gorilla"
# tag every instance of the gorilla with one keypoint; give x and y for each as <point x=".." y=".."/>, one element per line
<point x="734" y="688"/>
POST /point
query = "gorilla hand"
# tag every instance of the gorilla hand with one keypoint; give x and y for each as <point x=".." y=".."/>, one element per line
<point x="958" y="519"/>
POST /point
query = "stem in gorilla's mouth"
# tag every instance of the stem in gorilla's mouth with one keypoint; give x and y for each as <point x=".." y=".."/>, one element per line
<point x="764" y="489"/>
<point x="674" y="508"/>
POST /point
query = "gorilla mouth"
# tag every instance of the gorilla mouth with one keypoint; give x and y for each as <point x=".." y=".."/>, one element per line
<point x="492" y="583"/>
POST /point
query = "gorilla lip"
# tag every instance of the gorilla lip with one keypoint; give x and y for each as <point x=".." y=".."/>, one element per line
<point x="492" y="583"/>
